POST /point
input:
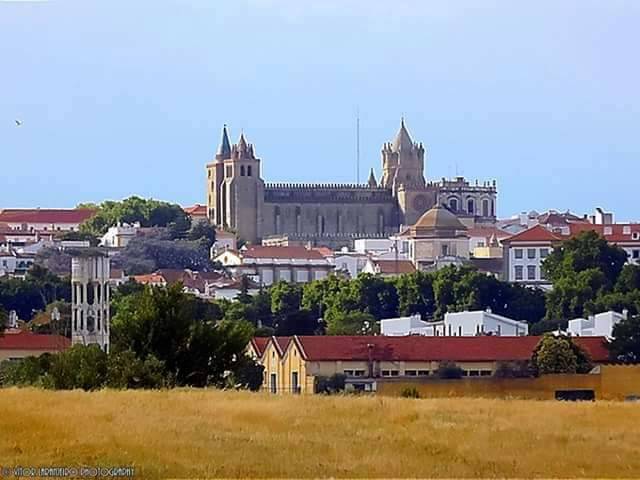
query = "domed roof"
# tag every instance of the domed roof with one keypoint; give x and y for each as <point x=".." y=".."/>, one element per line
<point x="439" y="218"/>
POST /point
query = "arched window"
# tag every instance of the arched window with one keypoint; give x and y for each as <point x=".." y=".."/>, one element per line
<point x="485" y="208"/>
<point x="453" y="204"/>
<point x="242" y="170"/>
<point x="471" y="207"/>
<point x="493" y="208"/>
<point x="248" y="170"/>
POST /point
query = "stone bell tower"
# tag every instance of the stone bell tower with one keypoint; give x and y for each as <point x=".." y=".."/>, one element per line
<point x="90" y="298"/>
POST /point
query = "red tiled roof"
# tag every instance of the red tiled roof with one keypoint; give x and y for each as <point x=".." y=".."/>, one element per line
<point x="259" y="251"/>
<point x="46" y="215"/>
<point x="33" y="341"/>
<point x="393" y="266"/>
<point x="537" y="233"/>
<point x="260" y="344"/>
<point x="196" y="210"/>
<point x="617" y="234"/>
<point x="426" y="349"/>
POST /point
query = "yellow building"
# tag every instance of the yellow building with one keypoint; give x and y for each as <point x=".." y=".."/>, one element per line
<point x="294" y="364"/>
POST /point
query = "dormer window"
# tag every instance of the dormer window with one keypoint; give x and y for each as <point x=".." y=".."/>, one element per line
<point x="608" y="231"/>
<point x="635" y="236"/>
<point x="626" y="230"/>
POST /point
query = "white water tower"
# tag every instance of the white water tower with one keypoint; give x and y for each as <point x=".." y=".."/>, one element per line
<point x="90" y="296"/>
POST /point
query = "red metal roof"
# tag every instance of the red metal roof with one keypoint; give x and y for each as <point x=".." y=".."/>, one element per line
<point x="46" y="215"/>
<point x="259" y="251"/>
<point x="426" y="349"/>
<point x="33" y="341"/>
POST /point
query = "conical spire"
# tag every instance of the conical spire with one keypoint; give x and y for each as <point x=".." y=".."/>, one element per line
<point x="403" y="140"/>
<point x="224" y="150"/>
<point x="242" y="143"/>
<point x="372" y="180"/>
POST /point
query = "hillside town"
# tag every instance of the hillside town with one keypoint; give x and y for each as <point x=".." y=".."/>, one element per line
<point x="324" y="273"/>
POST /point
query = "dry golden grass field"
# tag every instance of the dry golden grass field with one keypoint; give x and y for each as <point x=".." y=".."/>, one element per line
<point x="189" y="433"/>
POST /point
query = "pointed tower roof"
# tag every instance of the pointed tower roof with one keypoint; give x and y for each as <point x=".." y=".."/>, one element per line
<point x="224" y="150"/>
<point x="372" y="179"/>
<point x="403" y="140"/>
<point x="242" y="143"/>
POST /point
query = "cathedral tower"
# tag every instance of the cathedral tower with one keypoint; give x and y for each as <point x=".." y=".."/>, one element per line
<point x="403" y="174"/>
<point x="235" y="189"/>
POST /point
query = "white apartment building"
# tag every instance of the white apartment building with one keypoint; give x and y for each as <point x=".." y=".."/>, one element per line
<point x="599" y="325"/>
<point x="524" y="252"/>
<point x="458" y="324"/>
<point x="266" y="265"/>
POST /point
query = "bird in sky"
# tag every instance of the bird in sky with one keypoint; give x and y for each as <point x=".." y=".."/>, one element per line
<point x="18" y="123"/>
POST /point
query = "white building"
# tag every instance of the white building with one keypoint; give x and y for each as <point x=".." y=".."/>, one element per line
<point x="524" y="252"/>
<point x="352" y="263"/>
<point x="599" y="325"/>
<point x="120" y="235"/>
<point x="459" y="324"/>
<point x="266" y="265"/>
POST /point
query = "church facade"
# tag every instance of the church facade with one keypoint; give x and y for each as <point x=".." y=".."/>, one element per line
<point x="334" y="215"/>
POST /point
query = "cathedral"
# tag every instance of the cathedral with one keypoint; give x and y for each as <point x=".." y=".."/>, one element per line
<point x="334" y="215"/>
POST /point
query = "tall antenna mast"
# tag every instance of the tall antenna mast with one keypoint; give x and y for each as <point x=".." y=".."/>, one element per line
<point x="358" y="145"/>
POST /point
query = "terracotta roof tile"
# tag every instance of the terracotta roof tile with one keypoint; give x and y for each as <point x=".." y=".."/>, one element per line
<point x="46" y="215"/>
<point x="537" y="233"/>
<point x="33" y="341"/>
<point x="393" y="266"/>
<point x="421" y="348"/>
<point x="259" y="251"/>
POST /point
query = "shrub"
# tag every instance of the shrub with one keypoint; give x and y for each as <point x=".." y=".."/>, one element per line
<point x="410" y="392"/>
<point x="125" y="370"/>
<point x="330" y="385"/>
<point x="515" y="369"/>
<point x="449" y="370"/>
<point x="81" y="366"/>
<point x="559" y="354"/>
<point x="25" y="372"/>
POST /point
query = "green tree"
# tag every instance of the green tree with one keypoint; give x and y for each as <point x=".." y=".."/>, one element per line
<point x="150" y="213"/>
<point x="285" y="298"/>
<point x="586" y="251"/>
<point x="415" y="294"/>
<point x="4" y="319"/>
<point x="180" y="331"/>
<point x="629" y="279"/>
<point x="126" y="370"/>
<point x="558" y="354"/>
<point x="80" y="366"/>
<point x="203" y="232"/>
<point x="352" y="323"/>
<point x="625" y="346"/>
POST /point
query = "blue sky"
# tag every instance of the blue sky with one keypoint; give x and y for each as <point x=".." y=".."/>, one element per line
<point x="128" y="97"/>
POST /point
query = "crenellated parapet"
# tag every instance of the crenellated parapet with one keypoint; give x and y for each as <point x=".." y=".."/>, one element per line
<point x="460" y="183"/>
<point x="325" y="192"/>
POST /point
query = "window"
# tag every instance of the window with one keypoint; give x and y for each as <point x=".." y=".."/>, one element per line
<point x="531" y="253"/>
<point x="531" y="272"/>
<point x="358" y="373"/>
<point x="544" y="252"/>
<point x="635" y="254"/>
<point x="390" y="373"/>
<point x="485" y="373"/>
<point x="518" y="273"/>
<point x="607" y="230"/>
<point x="242" y="170"/>
<point x="228" y="171"/>
<point x="542" y="277"/>
<point x="248" y="170"/>
<point x="445" y="250"/>
<point x="626" y="230"/>
<point x="518" y="253"/>
<point x="423" y="373"/>
<point x="411" y="373"/>
<point x="274" y="383"/>
<point x="470" y="207"/>
<point x="348" y="373"/>
<point x="453" y="204"/>
<point x="635" y="236"/>
<point x="474" y="373"/>
<point x="485" y="208"/>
